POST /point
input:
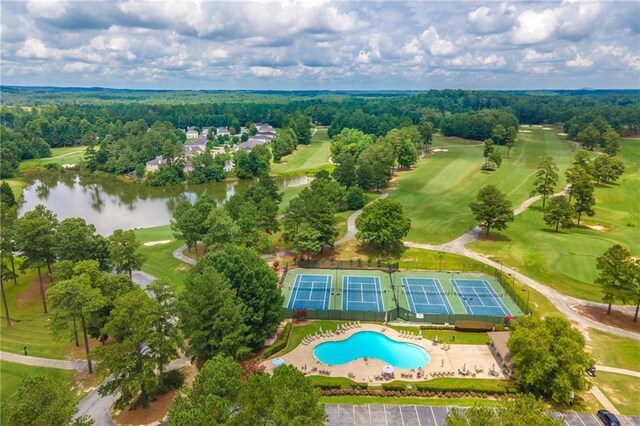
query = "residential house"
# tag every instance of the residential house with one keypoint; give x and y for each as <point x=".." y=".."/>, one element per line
<point x="222" y="131"/>
<point x="205" y="131"/>
<point x="153" y="165"/>
<point x="192" y="133"/>
<point x="251" y="143"/>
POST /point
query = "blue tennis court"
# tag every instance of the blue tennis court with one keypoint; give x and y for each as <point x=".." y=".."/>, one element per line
<point x="361" y="294"/>
<point x="310" y="292"/>
<point x="479" y="298"/>
<point x="426" y="296"/>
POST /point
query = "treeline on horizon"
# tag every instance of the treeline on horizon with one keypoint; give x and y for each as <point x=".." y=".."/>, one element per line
<point x="34" y="119"/>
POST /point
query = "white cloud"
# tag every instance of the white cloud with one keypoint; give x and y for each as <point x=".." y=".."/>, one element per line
<point x="50" y="9"/>
<point x="266" y="72"/>
<point x="36" y="49"/>
<point x="437" y="45"/>
<point x="579" y="62"/>
<point x="79" y="67"/>
<point x="534" y="27"/>
<point x="488" y="21"/>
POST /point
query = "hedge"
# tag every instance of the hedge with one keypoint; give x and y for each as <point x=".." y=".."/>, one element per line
<point x="465" y="325"/>
<point x="488" y="386"/>
<point x="437" y="327"/>
<point x="394" y="387"/>
<point x="280" y="344"/>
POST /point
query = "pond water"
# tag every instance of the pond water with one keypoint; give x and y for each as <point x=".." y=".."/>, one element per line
<point x="110" y="204"/>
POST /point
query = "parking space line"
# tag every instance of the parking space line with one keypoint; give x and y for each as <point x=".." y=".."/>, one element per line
<point x="369" y="407"/>
<point x="417" y="416"/>
<point x="583" y="423"/>
<point x="401" y="416"/>
<point x="433" y="415"/>
<point x="386" y="420"/>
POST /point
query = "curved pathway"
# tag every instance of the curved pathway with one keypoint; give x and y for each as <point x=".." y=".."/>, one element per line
<point x="618" y="370"/>
<point x="178" y="254"/>
<point x="351" y="221"/>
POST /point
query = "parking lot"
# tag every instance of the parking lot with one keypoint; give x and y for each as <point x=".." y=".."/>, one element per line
<point x="423" y="415"/>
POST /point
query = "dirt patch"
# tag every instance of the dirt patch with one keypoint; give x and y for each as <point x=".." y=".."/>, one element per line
<point x="597" y="227"/>
<point x="617" y="318"/>
<point x="32" y="291"/>
<point x="143" y="416"/>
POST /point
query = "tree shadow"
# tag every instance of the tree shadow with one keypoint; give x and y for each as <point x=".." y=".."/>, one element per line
<point x="494" y="237"/>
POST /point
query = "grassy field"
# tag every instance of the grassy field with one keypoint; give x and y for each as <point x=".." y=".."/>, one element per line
<point x="17" y="185"/>
<point x="566" y="260"/>
<point x="29" y="327"/>
<point x="306" y="158"/>
<point x="160" y="261"/>
<point x="437" y="192"/>
<point x="11" y="375"/>
<point x="66" y="155"/>
<point x="614" y="351"/>
<point x="621" y="390"/>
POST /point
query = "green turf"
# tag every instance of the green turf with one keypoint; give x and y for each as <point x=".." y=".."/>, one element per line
<point x="386" y="282"/>
<point x="17" y="185"/>
<point x="437" y="192"/>
<point x="614" y="351"/>
<point x="566" y="260"/>
<point x="11" y="375"/>
<point x="402" y="400"/>
<point x="289" y="194"/>
<point x="159" y="258"/>
<point x="621" y="390"/>
<point x="306" y="158"/>
<point x="29" y="327"/>
<point x="66" y="155"/>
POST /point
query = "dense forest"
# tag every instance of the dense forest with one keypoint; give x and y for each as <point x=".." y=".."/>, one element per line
<point x="126" y="128"/>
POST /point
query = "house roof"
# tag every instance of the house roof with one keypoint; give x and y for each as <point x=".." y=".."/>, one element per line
<point x="499" y="340"/>
<point x="156" y="161"/>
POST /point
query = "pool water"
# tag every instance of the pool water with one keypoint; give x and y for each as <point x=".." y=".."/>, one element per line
<point x="371" y="344"/>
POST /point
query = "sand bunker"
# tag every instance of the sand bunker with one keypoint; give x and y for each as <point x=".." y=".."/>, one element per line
<point x="155" y="243"/>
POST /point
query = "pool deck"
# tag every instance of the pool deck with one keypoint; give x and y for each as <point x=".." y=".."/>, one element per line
<point x="442" y="360"/>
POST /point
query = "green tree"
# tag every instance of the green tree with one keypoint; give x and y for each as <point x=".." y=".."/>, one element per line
<point x="310" y="210"/>
<point x="407" y="154"/>
<point x="213" y="316"/>
<point x="8" y="216"/>
<point x="74" y="300"/>
<point x="41" y="401"/>
<point x="607" y="169"/>
<point x="519" y="411"/>
<point x="75" y="240"/>
<point x="220" y="229"/>
<point x="285" y="398"/>
<point x="488" y="148"/>
<point x="306" y="239"/>
<point x="355" y="198"/>
<point x="589" y="137"/>
<point x="583" y="192"/>
<point x="212" y="397"/>
<point x="549" y="357"/>
<point x="546" y="179"/>
<point x="611" y="142"/>
<point x="383" y="225"/>
<point x="255" y="283"/>
<point x="35" y="238"/>
<point x="495" y="158"/>
<point x="345" y="171"/>
<point x="559" y="213"/>
<point x="615" y="276"/>
<point x="6" y="195"/>
<point x="301" y="126"/>
<point x="426" y="130"/>
<point x="124" y="251"/>
<point x="145" y="343"/>
<point x="492" y="209"/>
<point x="350" y="141"/>
<point x="187" y="224"/>
<point x="499" y="135"/>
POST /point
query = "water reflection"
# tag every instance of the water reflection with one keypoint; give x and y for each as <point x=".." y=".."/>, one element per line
<point x="110" y="204"/>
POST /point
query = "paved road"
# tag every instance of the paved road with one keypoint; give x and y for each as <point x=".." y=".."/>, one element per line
<point x="351" y="222"/>
<point x="43" y="362"/>
<point x="419" y="415"/>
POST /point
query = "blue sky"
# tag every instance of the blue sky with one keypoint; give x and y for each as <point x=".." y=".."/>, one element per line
<point x="321" y="44"/>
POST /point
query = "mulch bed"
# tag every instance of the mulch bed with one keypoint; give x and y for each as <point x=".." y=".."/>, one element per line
<point x="617" y="318"/>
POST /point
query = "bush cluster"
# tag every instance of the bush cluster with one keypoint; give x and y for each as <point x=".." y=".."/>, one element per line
<point x="280" y="344"/>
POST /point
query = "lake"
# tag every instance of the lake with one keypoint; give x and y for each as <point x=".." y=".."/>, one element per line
<point x="110" y="204"/>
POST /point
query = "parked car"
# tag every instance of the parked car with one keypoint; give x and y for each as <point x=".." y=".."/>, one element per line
<point x="591" y="372"/>
<point x="608" y="418"/>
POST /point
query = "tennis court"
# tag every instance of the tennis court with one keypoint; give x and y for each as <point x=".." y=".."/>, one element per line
<point x="479" y="298"/>
<point x="426" y="296"/>
<point x="362" y="293"/>
<point x="310" y="291"/>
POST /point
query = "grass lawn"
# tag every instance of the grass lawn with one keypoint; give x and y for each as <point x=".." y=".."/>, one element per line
<point x="66" y="155"/>
<point x="289" y="194"/>
<point x="29" y="326"/>
<point x="621" y="390"/>
<point x="306" y="158"/>
<point x="11" y="375"/>
<point x="437" y="192"/>
<point x="566" y="260"/>
<point x="160" y="261"/>
<point x="614" y="351"/>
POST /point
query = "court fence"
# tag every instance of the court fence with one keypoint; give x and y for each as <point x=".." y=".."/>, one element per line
<point x="506" y="281"/>
<point x="391" y="315"/>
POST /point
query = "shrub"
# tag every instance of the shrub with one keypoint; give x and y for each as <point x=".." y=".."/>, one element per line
<point x="355" y="198"/>
<point x="327" y="386"/>
<point x="437" y="327"/>
<point x="499" y="327"/>
<point x="280" y="344"/>
<point x="393" y="387"/>
<point x="172" y="379"/>
<point x="359" y="386"/>
<point x="473" y="326"/>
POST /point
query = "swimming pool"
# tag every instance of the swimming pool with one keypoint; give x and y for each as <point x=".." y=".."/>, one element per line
<point x="371" y="344"/>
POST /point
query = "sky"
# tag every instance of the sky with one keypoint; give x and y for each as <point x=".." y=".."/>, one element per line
<point x="321" y="45"/>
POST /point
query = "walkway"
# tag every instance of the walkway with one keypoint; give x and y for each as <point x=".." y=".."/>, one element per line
<point x="43" y="362"/>
<point x="603" y="400"/>
<point x="178" y="254"/>
<point x="425" y="415"/>
<point x="351" y="222"/>
<point x="618" y="370"/>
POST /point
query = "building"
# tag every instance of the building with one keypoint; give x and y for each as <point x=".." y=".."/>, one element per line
<point x="205" y="131"/>
<point x="153" y="165"/>
<point x="222" y="131"/>
<point x="196" y="147"/>
<point x="498" y="345"/>
<point x="251" y="143"/>
<point x="192" y="133"/>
